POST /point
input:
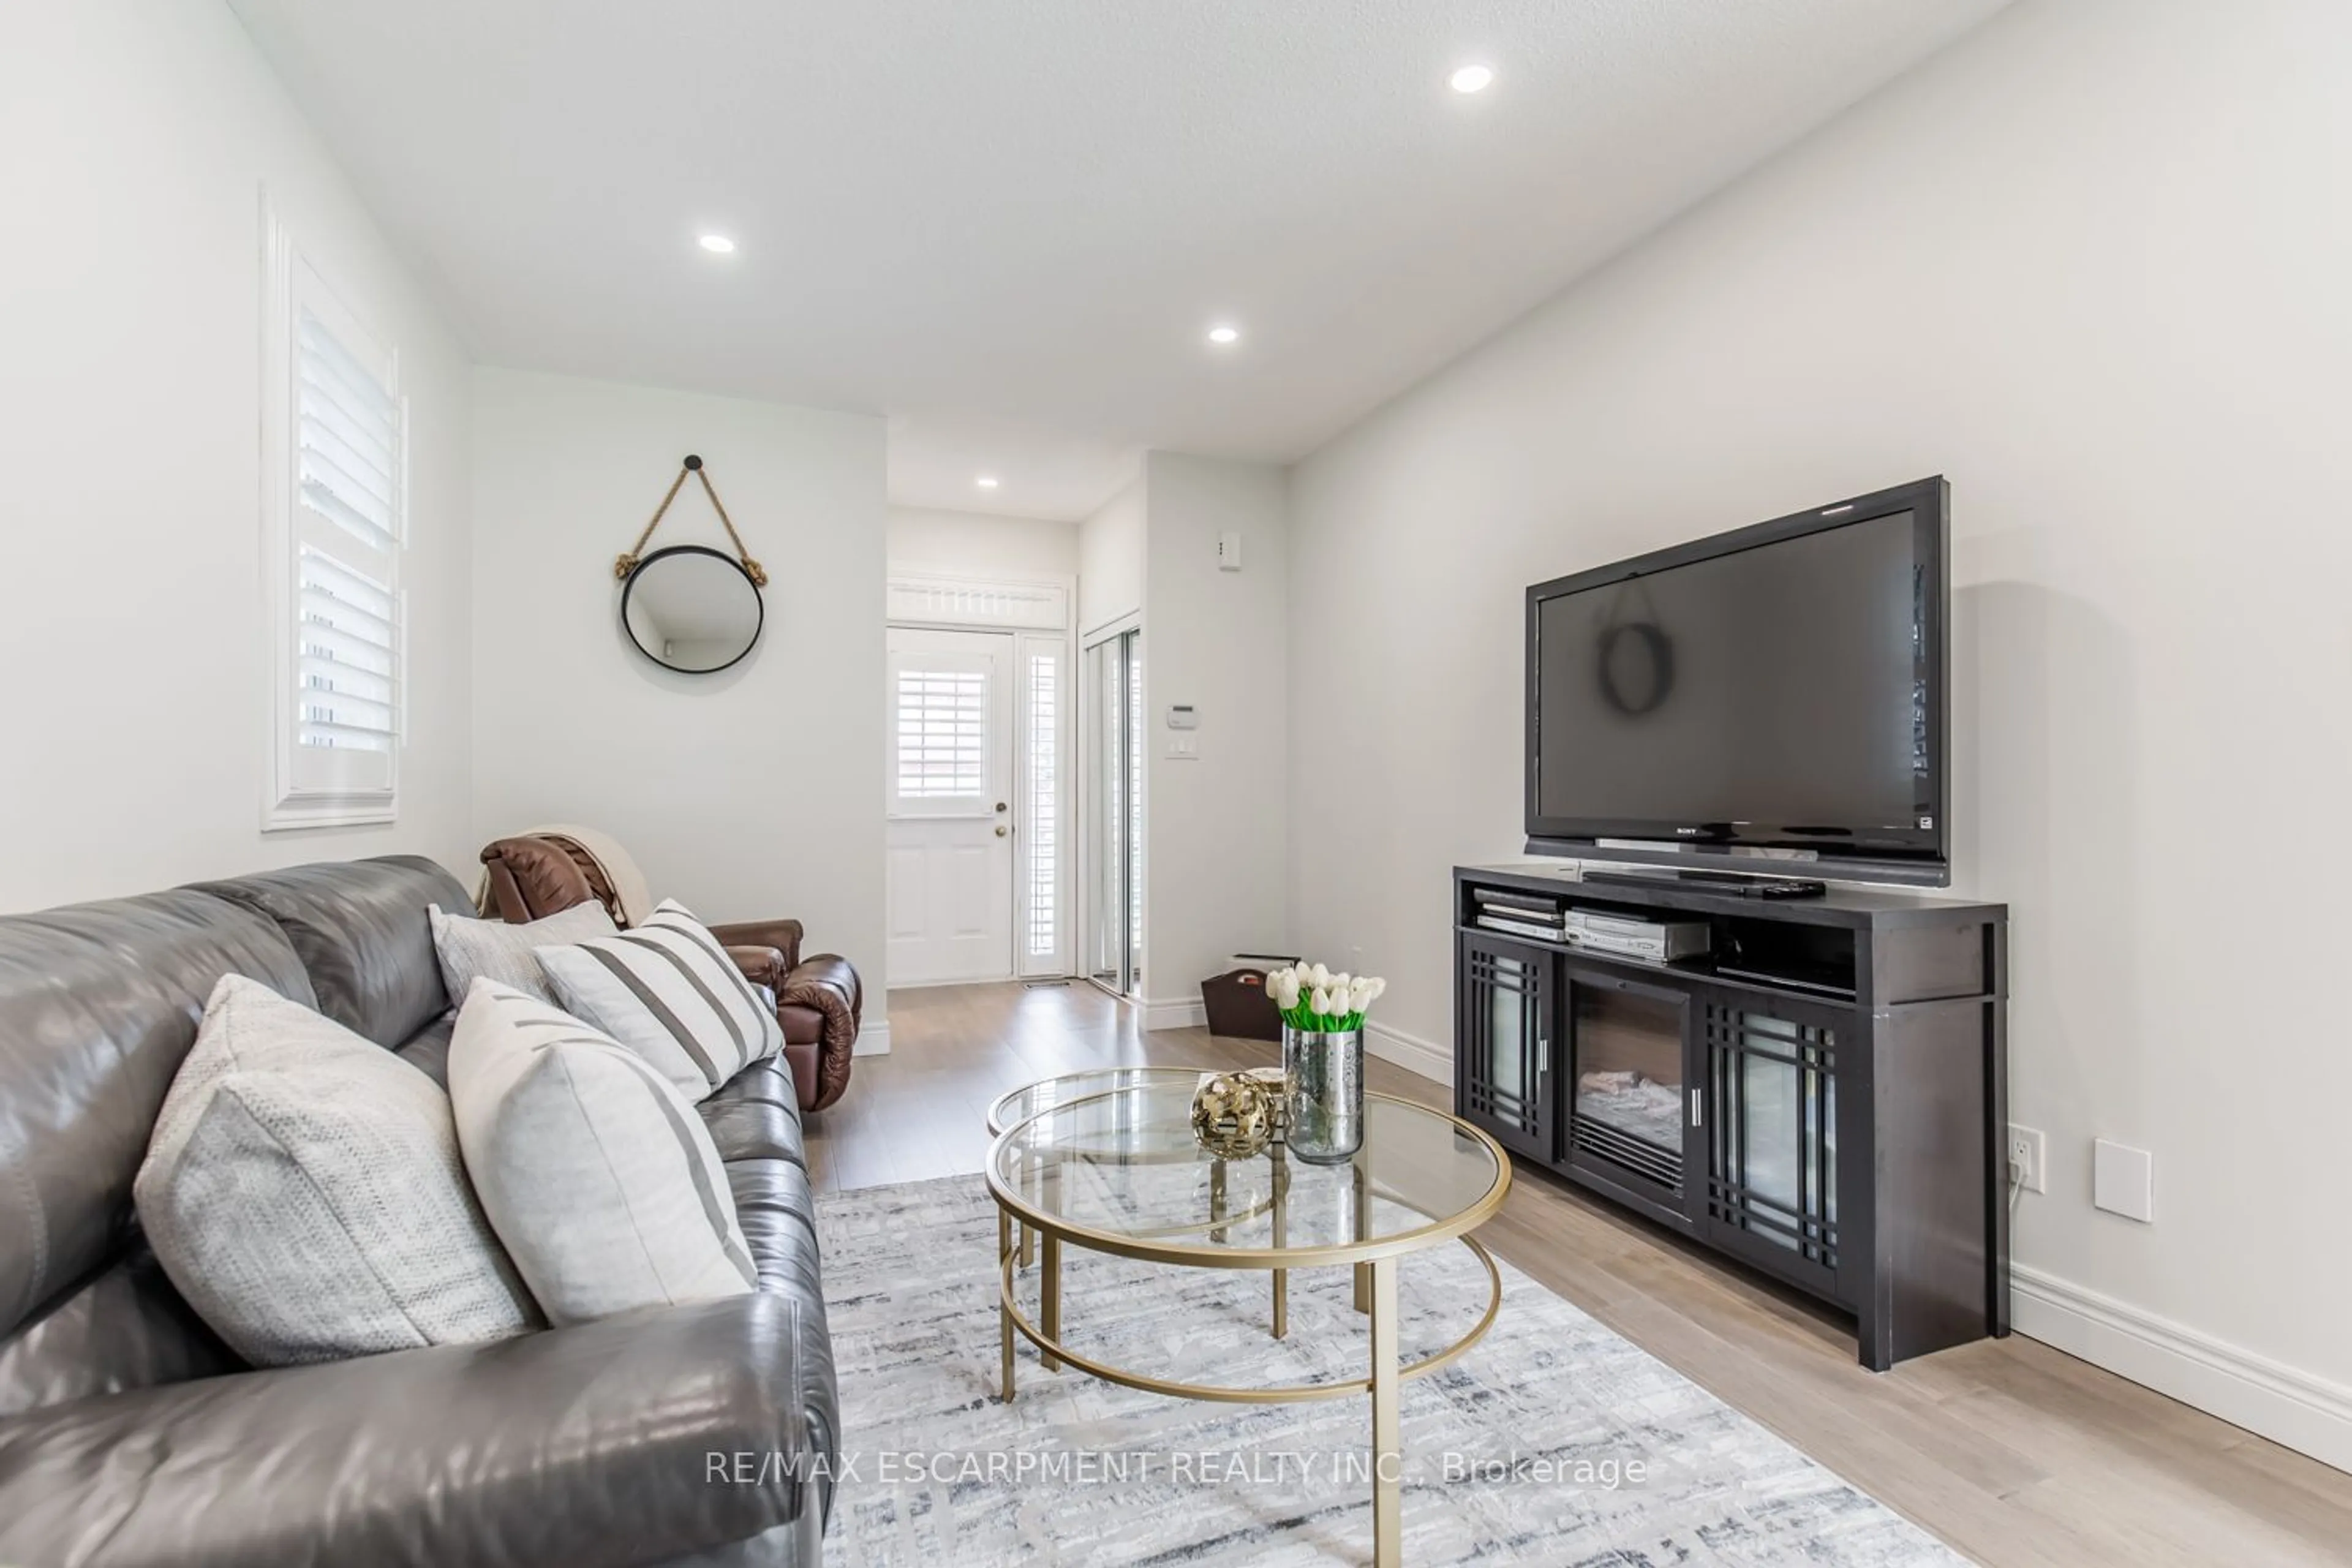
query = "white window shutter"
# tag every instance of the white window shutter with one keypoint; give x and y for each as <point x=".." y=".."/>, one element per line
<point x="336" y="446"/>
<point x="347" y="612"/>
<point x="942" y="751"/>
<point x="1043" y="826"/>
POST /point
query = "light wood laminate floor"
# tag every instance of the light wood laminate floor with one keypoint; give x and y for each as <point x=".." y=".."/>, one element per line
<point x="2011" y="1452"/>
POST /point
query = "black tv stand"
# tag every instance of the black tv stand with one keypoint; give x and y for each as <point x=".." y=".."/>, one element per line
<point x="1822" y="1094"/>
<point x="1737" y="883"/>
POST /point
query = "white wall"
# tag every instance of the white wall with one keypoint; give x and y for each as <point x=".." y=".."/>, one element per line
<point x="140" y="135"/>
<point x="2092" y="264"/>
<point x="1214" y="824"/>
<point x="754" y="792"/>
<point x="977" y="544"/>
<point x="1110" y="560"/>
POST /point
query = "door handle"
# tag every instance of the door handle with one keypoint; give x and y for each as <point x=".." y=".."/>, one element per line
<point x="1002" y="830"/>
<point x="1695" y="1103"/>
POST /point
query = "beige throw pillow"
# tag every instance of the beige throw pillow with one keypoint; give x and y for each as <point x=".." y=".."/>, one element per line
<point x="471" y="950"/>
<point x="304" y="1191"/>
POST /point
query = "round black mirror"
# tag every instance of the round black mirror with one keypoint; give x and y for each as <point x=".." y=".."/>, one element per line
<point x="691" y="609"/>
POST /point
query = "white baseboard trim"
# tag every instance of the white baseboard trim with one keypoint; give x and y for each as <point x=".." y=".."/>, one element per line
<point x="873" y="1040"/>
<point x="1181" y="1013"/>
<point x="943" y="985"/>
<point x="2307" y="1414"/>
<point x="1409" y="1051"/>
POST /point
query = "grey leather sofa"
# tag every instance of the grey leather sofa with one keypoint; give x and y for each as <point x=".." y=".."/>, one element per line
<point x="129" y="1434"/>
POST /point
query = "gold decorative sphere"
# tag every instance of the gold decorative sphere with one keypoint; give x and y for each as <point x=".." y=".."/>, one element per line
<point x="1234" y="1116"/>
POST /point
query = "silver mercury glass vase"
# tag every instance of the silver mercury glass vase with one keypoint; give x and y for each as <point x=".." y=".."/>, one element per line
<point x="1325" y="1073"/>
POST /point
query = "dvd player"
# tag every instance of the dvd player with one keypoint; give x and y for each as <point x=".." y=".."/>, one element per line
<point x="1630" y="936"/>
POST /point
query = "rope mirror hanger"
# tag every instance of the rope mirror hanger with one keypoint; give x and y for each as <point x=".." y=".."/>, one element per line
<point x="626" y="561"/>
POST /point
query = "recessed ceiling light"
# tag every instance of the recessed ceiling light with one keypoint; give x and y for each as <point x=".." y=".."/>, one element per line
<point x="1224" y="335"/>
<point x="717" y="244"/>
<point x="1471" y="79"/>
<point x="986" y="481"/>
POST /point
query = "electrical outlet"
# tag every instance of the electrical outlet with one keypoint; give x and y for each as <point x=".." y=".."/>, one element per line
<point x="2027" y="1167"/>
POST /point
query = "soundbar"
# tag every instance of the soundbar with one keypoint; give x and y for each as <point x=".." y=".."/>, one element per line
<point x="1729" y="882"/>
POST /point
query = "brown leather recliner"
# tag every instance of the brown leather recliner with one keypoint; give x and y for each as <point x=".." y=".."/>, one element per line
<point x="818" y="1000"/>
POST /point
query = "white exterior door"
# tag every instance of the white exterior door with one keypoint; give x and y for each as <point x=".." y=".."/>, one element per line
<point x="951" y="805"/>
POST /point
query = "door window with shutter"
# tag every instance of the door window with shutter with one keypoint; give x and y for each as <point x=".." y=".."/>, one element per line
<point x="941" y="742"/>
<point x="336" y="446"/>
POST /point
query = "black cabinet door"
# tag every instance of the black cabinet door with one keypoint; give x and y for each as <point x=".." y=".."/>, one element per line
<point x="1771" y="1134"/>
<point x="1628" y="1091"/>
<point x="1502" y="1030"/>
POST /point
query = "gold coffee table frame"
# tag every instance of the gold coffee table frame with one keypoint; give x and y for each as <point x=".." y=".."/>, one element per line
<point x="1373" y="1259"/>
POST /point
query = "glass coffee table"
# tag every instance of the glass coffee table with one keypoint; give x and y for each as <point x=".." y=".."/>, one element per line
<point x="1027" y="1101"/>
<point x="1107" y="1161"/>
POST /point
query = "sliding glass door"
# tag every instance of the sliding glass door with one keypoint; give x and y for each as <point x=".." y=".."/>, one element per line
<point x="1114" y="698"/>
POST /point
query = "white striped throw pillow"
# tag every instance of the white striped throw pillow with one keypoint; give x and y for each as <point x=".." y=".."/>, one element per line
<point x="667" y="991"/>
<point x="599" y="1176"/>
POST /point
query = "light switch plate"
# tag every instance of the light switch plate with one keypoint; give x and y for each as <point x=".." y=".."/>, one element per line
<point x="1229" y="551"/>
<point x="2123" y="1180"/>
<point x="1185" y="747"/>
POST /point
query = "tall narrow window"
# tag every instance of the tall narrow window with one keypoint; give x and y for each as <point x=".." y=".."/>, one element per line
<point x="1045" y="728"/>
<point x="336" y="440"/>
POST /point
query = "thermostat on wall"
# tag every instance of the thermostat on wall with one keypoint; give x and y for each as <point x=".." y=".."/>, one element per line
<point x="1182" y="717"/>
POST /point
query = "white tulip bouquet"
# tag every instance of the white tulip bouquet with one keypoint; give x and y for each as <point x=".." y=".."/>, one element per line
<point x="1314" y="999"/>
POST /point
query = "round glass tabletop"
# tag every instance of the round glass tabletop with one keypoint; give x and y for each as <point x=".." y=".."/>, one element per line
<point x="1119" y="1170"/>
<point x="1028" y="1100"/>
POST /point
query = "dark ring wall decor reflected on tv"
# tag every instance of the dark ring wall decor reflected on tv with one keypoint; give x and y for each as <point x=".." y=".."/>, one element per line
<point x="1770" y="700"/>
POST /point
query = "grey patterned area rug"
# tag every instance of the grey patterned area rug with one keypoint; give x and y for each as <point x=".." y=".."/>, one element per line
<point x="1554" y="1441"/>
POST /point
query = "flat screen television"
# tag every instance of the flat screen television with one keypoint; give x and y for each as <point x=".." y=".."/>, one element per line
<point x="1768" y="701"/>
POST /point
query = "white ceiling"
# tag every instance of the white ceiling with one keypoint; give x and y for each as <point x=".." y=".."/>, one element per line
<point x="936" y="461"/>
<point x="1011" y="221"/>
